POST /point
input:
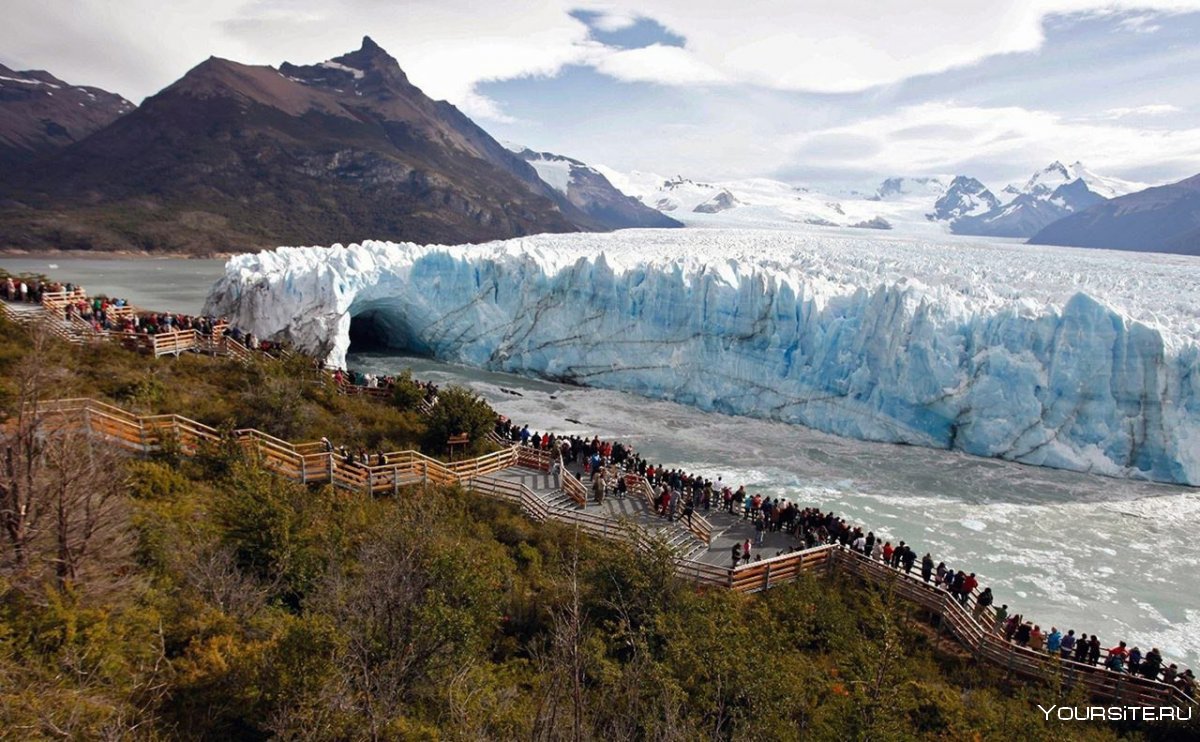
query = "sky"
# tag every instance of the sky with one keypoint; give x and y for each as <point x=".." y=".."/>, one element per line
<point x="808" y="91"/>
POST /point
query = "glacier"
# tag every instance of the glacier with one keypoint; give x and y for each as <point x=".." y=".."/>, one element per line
<point x="1077" y="359"/>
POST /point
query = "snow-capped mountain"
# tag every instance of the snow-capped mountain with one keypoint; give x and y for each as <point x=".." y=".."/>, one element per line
<point x="763" y="203"/>
<point x="1049" y="195"/>
<point x="915" y="205"/>
<point x="588" y="189"/>
<point x="1056" y="175"/>
<point x="965" y="197"/>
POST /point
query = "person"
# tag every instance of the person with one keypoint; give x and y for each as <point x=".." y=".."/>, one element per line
<point x="1170" y="674"/>
<point x="746" y="551"/>
<point x="969" y="583"/>
<point x="1151" y="664"/>
<point x="941" y="572"/>
<point x="689" y="507"/>
<point x="877" y="551"/>
<point x="955" y="584"/>
<point x="1135" y="660"/>
<point x="735" y="553"/>
<point x="759" y="527"/>
<point x="1010" y="628"/>
<point x="598" y="489"/>
<point x="1094" y="651"/>
<point x="1116" y="658"/>
<point x="1054" y="640"/>
<point x="1037" y="640"/>
<point x="909" y="558"/>
<point x="887" y="552"/>
<point x="1024" y="633"/>
<point x="982" y="603"/>
<point x="998" y="620"/>
<point x="1068" y="645"/>
<point x="1186" y="682"/>
<point x="926" y="567"/>
<point x="1081" y="648"/>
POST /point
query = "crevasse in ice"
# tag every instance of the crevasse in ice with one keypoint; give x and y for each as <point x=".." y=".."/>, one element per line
<point x="1077" y="359"/>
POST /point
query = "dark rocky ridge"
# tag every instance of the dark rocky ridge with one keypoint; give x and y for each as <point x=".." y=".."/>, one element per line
<point x="1161" y="219"/>
<point x="40" y="114"/>
<point x="234" y="157"/>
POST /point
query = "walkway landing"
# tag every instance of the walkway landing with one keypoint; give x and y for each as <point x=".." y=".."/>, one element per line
<point x="616" y="509"/>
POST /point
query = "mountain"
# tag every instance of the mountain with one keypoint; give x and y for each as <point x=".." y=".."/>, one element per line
<point x="234" y="157"/>
<point x="965" y="197"/>
<point x="763" y="203"/>
<point x="1056" y="174"/>
<point x="1162" y="219"/>
<point x="723" y="201"/>
<point x="906" y="186"/>
<point x="40" y="113"/>
<point x="1049" y="195"/>
<point x="587" y="189"/>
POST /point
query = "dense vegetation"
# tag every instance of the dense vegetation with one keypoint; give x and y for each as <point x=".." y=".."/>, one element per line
<point x="225" y="603"/>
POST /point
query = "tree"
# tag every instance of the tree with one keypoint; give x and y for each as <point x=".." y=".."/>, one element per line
<point x="457" y="411"/>
<point x="62" y="505"/>
<point x="406" y="393"/>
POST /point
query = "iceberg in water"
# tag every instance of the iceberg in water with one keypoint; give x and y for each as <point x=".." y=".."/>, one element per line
<point x="1084" y="360"/>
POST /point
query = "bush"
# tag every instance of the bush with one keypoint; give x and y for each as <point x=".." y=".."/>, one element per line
<point x="459" y="411"/>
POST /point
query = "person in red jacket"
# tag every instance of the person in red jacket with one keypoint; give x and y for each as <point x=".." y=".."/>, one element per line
<point x="968" y="586"/>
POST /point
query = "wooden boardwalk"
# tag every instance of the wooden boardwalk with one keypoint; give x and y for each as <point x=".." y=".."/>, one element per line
<point x="537" y="482"/>
<point x="541" y="486"/>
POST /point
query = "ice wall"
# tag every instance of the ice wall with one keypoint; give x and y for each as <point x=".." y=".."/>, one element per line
<point x="987" y="353"/>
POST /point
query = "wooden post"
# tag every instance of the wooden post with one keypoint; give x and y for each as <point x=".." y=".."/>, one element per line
<point x="767" y="578"/>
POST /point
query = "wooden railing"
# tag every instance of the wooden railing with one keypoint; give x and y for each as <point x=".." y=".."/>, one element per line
<point x="985" y="645"/>
<point x="623" y="530"/>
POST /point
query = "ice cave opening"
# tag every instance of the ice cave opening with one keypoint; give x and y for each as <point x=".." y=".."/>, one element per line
<point x="378" y="329"/>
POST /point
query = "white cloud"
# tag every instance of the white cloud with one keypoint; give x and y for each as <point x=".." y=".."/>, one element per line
<point x="1152" y="109"/>
<point x="945" y="137"/>
<point x="1146" y="23"/>
<point x="612" y="21"/>
<point x="667" y="65"/>
<point x="742" y="54"/>
<point x="837" y="46"/>
<point x="449" y="46"/>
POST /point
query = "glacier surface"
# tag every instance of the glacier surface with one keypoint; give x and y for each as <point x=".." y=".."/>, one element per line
<point x="1077" y="359"/>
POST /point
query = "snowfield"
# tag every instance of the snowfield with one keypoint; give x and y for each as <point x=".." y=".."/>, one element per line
<point x="1077" y="359"/>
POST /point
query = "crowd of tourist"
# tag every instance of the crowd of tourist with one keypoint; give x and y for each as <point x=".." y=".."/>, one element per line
<point x="364" y="380"/>
<point x="20" y="289"/>
<point x="116" y="315"/>
<point x="679" y="495"/>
